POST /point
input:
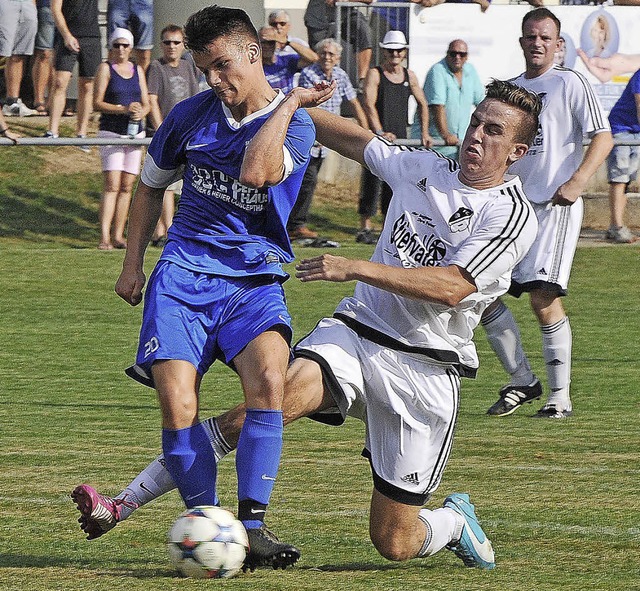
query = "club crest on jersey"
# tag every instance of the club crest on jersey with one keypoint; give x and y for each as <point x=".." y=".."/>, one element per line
<point x="459" y="221"/>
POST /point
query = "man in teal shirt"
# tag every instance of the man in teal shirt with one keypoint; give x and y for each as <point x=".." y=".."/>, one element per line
<point x="453" y="89"/>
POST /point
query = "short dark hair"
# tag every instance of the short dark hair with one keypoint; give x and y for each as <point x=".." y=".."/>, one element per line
<point x="529" y="103"/>
<point x="171" y="29"/>
<point x="539" y="14"/>
<point x="212" y="22"/>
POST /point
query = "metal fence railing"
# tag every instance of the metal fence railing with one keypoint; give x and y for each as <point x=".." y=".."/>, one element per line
<point x="126" y="141"/>
<point x="76" y="141"/>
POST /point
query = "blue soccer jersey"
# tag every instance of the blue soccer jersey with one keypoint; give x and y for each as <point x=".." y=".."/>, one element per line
<point x="223" y="227"/>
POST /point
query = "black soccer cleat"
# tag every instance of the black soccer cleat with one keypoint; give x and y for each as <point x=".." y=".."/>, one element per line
<point x="266" y="550"/>
<point x="513" y="397"/>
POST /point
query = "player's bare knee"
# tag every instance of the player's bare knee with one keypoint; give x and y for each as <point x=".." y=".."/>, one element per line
<point x="265" y="388"/>
<point x="391" y="544"/>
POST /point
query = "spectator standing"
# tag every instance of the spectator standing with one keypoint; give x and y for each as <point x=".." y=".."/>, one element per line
<point x="77" y="41"/>
<point x="122" y="98"/>
<point x="281" y="69"/>
<point x="320" y="20"/>
<point x="42" y="71"/>
<point x="453" y="89"/>
<point x="18" y="27"/>
<point x="170" y="79"/>
<point x="387" y="89"/>
<point x="554" y="173"/>
<point x="623" y="161"/>
<point x="137" y="17"/>
<point x="326" y="70"/>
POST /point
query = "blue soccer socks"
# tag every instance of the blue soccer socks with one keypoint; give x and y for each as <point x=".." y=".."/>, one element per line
<point x="192" y="464"/>
<point x="257" y="462"/>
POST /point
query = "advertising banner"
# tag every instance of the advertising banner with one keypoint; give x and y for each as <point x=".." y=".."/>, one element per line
<point x="608" y="36"/>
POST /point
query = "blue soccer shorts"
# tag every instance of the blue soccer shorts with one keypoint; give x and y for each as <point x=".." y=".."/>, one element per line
<point x="199" y="318"/>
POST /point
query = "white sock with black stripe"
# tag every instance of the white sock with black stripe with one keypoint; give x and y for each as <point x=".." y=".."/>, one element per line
<point x="443" y="527"/>
<point x="503" y="335"/>
<point x="557" y="340"/>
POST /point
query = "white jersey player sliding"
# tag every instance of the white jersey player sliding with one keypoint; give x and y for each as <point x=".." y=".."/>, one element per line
<point x="393" y="353"/>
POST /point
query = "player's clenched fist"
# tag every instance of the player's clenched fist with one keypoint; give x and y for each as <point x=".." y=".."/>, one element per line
<point x="129" y="286"/>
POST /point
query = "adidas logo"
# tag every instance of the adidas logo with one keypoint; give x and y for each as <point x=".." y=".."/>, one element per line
<point x="542" y="271"/>
<point x="411" y="478"/>
<point x="555" y="362"/>
<point x="422" y="184"/>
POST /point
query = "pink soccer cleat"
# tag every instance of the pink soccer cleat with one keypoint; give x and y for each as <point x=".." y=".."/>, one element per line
<point x="98" y="513"/>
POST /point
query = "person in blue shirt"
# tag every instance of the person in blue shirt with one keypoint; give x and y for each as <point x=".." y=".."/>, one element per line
<point x="283" y="69"/>
<point x="453" y="88"/>
<point x="622" y="162"/>
<point x="216" y="292"/>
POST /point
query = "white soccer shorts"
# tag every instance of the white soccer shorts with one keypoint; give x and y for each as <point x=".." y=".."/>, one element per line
<point x="408" y="404"/>
<point x="550" y="258"/>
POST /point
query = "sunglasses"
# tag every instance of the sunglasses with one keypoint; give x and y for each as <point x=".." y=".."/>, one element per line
<point x="457" y="53"/>
<point x="170" y="42"/>
<point x="120" y="45"/>
<point x="279" y="23"/>
<point x="401" y="50"/>
<point x="267" y="42"/>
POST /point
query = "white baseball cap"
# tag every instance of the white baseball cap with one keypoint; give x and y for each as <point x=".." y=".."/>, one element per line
<point x="394" y="40"/>
<point x="120" y="33"/>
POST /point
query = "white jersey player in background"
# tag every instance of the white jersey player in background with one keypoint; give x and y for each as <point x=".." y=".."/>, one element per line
<point x="554" y="173"/>
<point x="393" y="353"/>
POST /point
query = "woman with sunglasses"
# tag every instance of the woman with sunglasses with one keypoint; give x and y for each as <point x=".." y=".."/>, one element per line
<point x="122" y="98"/>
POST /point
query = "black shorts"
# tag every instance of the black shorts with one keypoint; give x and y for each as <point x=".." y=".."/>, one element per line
<point x="88" y="58"/>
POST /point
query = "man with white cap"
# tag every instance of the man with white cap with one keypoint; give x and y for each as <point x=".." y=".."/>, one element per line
<point x="77" y="40"/>
<point x="387" y="89"/>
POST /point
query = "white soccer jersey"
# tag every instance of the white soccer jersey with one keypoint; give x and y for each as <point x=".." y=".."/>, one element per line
<point x="436" y="220"/>
<point x="571" y="111"/>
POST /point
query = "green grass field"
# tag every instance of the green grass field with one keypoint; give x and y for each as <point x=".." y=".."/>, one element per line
<point x="558" y="499"/>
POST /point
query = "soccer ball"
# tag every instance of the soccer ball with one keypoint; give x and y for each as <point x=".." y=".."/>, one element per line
<point x="207" y="543"/>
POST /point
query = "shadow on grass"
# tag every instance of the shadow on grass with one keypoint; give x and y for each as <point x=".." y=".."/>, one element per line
<point x="359" y="567"/>
<point x="39" y="216"/>
<point x="26" y="561"/>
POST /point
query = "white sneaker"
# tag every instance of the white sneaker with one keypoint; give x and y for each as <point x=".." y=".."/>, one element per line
<point x="620" y="234"/>
<point x="18" y="109"/>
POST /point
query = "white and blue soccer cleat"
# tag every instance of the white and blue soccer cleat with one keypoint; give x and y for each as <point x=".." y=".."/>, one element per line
<point x="473" y="547"/>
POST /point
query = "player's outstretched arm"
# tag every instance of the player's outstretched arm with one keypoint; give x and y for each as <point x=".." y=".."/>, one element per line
<point x="341" y="135"/>
<point x="263" y="162"/>
<point x="445" y="285"/>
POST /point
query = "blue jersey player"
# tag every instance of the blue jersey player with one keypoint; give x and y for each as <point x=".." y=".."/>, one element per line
<point x="216" y="292"/>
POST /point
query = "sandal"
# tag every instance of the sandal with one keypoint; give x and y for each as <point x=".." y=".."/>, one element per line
<point x="42" y="109"/>
<point x="68" y="113"/>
